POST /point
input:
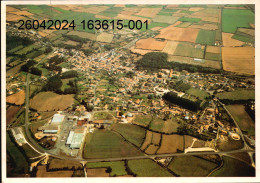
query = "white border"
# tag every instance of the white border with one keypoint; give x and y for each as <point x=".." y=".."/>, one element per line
<point x="120" y="180"/>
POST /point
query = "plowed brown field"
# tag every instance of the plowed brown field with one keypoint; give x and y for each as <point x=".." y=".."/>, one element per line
<point x="170" y="144"/>
<point x="149" y="12"/>
<point x="228" y="41"/>
<point x="17" y="98"/>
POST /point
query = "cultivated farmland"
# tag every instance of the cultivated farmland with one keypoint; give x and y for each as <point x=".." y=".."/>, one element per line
<point x="242" y="118"/>
<point x="49" y="101"/>
<point x="105" y="37"/>
<point x="239" y="59"/>
<point x="191" y="166"/>
<point x="237" y="95"/>
<point x="147" y="168"/>
<point x="85" y="35"/>
<point x="17" y="98"/>
<point x="150" y="44"/>
<point x="107" y="144"/>
<point x="118" y="168"/>
<point x="171" y="144"/>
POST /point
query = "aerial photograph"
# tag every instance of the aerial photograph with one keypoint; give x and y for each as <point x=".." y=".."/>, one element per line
<point x="130" y="90"/>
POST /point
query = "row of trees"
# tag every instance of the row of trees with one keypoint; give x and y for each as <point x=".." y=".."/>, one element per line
<point x="28" y="67"/>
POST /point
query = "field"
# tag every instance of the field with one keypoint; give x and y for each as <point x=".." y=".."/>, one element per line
<point x="131" y="133"/>
<point x="17" y="98"/>
<point x="63" y="164"/>
<point x="20" y="163"/>
<point x="184" y="24"/>
<point x="170" y="47"/>
<point x="237" y="95"/>
<point x="229" y="41"/>
<point x="107" y="144"/>
<point x="42" y="172"/>
<point x="205" y="26"/>
<point x="188" y="50"/>
<point x="206" y="37"/>
<point x="233" y="168"/>
<point x="73" y="43"/>
<point x="148" y="12"/>
<point x="118" y="167"/>
<point x="10" y="113"/>
<point x="49" y="101"/>
<point x="148" y="139"/>
<point x="191" y="166"/>
<point x="102" y="116"/>
<point x="147" y="168"/>
<point x="151" y="143"/>
<point x="156" y="124"/>
<point x="244" y="121"/>
<point x="142" y="120"/>
<point x="178" y="34"/>
<point x="170" y="126"/>
<point x="85" y="35"/>
<point x="171" y="144"/>
<point x="165" y="19"/>
<point x="239" y="18"/>
<point x="198" y="93"/>
<point x="186" y="19"/>
<point x="105" y="37"/>
<point x="97" y="172"/>
<point x="239" y="59"/>
<point x="150" y="44"/>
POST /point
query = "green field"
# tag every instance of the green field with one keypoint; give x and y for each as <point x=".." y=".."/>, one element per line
<point x="26" y="49"/>
<point x="244" y="38"/>
<point x="188" y="50"/>
<point x="65" y="83"/>
<point x="15" y="49"/>
<point x="30" y="153"/>
<point x="157" y="24"/>
<point x="237" y="95"/>
<point x="213" y="56"/>
<point x="186" y="19"/>
<point x="197" y="93"/>
<point x="206" y="37"/>
<point x="234" y="18"/>
<point x="188" y="12"/>
<point x="107" y="144"/>
<point x="111" y="12"/>
<point x="234" y="168"/>
<point x="20" y="163"/>
<point x="103" y="116"/>
<point x="244" y="121"/>
<point x="191" y="166"/>
<point x="157" y="124"/>
<point x="132" y="133"/>
<point x="143" y="120"/>
<point x="165" y="19"/>
<point x="147" y="168"/>
<point x="118" y="167"/>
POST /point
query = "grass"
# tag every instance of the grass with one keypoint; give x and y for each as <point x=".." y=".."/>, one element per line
<point x="132" y="133"/>
<point x="157" y="24"/>
<point x="111" y="12"/>
<point x="233" y="168"/>
<point x="157" y="124"/>
<point x="15" y="49"/>
<point x="118" y="167"/>
<point x="187" y="50"/>
<point x="188" y="12"/>
<point x="147" y="168"/>
<point x="25" y="49"/>
<point x="191" y="166"/>
<point x="213" y="56"/>
<point x="237" y="95"/>
<point x="143" y="120"/>
<point x="30" y="153"/>
<point x="206" y="37"/>
<point x="20" y="163"/>
<point x="233" y="18"/>
<point x="186" y="19"/>
<point x="244" y="121"/>
<point x="65" y="84"/>
<point x="107" y="144"/>
<point x="244" y="38"/>
<point x="197" y="93"/>
<point x="165" y="13"/>
<point x="102" y="115"/>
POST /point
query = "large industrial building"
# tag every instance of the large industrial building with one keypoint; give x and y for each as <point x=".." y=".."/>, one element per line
<point x="75" y="138"/>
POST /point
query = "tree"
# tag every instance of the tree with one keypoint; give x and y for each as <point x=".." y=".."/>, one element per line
<point x="36" y="71"/>
<point x="54" y="84"/>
